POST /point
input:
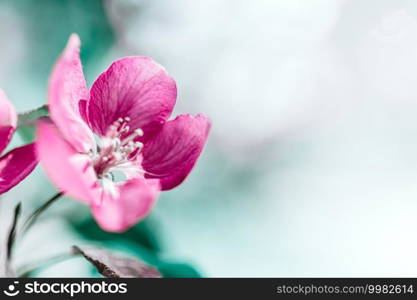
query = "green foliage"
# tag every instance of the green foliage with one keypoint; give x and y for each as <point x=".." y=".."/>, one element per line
<point x="140" y="241"/>
<point x="49" y="24"/>
<point x="177" y="270"/>
<point x="27" y="121"/>
<point x="139" y="235"/>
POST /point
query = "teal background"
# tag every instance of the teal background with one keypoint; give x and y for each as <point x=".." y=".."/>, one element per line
<point x="311" y="165"/>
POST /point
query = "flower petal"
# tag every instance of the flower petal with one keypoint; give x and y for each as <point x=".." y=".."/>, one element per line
<point x="133" y="201"/>
<point x="172" y="153"/>
<point x="66" y="88"/>
<point x="16" y="165"/>
<point x="134" y="87"/>
<point x="82" y="107"/>
<point x="69" y="170"/>
<point x="8" y="120"/>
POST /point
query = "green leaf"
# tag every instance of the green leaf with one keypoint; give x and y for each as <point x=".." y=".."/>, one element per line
<point x="12" y="233"/>
<point x="177" y="270"/>
<point x="5" y="268"/>
<point x="142" y="234"/>
<point x="27" y="122"/>
<point x="141" y="241"/>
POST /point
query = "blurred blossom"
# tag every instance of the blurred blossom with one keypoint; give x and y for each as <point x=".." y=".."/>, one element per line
<point x="12" y="46"/>
<point x="18" y="163"/>
<point x="387" y="54"/>
<point x="328" y="87"/>
<point x="244" y="62"/>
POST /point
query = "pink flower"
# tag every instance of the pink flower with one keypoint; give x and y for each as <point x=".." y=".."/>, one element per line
<point x="137" y="152"/>
<point x="18" y="163"/>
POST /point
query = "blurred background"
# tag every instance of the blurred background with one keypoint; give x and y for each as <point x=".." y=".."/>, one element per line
<point x="311" y="166"/>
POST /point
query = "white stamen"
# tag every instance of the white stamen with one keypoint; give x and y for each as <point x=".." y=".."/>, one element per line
<point x="139" y="132"/>
<point x="138" y="145"/>
<point x="109" y="185"/>
<point x="118" y="152"/>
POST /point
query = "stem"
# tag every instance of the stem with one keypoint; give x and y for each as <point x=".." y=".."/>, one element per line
<point x="34" y="216"/>
<point x="27" y="270"/>
<point x="12" y="232"/>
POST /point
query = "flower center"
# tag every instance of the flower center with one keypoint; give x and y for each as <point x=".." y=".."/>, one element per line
<point x="117" y="151"/>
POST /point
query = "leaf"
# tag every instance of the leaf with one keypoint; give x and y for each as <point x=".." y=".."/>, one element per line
<point x="27" y="122"/>
<point x="113" y="266"/>
<point x="142" y="240"/>
<point x="12" y="232"/>
<point x="35" y="215"/>
<point x="178" y="270"/>
<point x="5" y="268"/>
<point x="142" y="234"/>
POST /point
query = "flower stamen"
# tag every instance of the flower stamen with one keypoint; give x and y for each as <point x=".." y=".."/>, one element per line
<point x="118" y="151"/>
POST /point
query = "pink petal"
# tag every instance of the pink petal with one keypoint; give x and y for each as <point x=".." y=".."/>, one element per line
<point x="172" y="153"/>
<point x="134" y="200"/>
<point x="66" y="88"/>
<point x="68" y="169"/>
<point x="16" y="165"/>
<point x="134" y="87"/>
<point x="82" y="107"/>
<point x="8" y="120"/>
